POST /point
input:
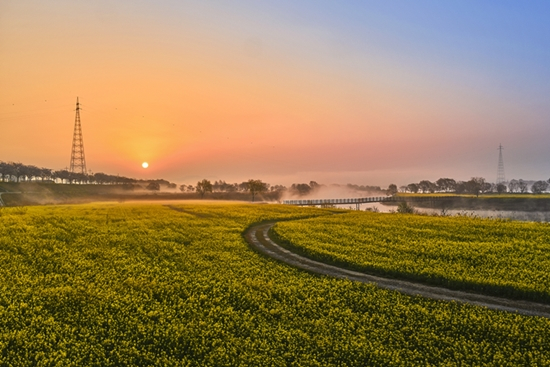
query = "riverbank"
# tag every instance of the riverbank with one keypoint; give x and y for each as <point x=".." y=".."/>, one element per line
<point x="516" y="202"/>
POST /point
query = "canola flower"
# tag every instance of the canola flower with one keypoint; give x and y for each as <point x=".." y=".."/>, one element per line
<point x="497" y="257"/>
<point x="135" y="284"/>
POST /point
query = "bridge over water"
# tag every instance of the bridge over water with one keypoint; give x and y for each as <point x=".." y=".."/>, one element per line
<point x="358" y="201"/>
<point x="329" y="202"/>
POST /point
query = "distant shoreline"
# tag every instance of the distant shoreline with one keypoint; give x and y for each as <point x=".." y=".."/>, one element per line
<point x="529" y="203"/>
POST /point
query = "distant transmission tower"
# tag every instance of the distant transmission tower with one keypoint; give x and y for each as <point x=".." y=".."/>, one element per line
<point x="500" y="172"/>
<point x="78" y="162"/>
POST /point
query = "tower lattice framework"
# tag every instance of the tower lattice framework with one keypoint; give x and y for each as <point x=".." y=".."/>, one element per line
<point x="500" y="171"/>
<point x="78" y="160"/>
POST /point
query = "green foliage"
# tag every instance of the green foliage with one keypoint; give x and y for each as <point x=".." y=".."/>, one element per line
<point x="124" y="284"/>
<point x="498" y="257"/>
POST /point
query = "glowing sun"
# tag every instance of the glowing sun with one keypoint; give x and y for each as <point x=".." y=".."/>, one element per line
<point x="145" y="164"/>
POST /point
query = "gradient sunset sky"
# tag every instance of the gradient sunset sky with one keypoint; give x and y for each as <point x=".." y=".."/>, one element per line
<point x="364" y="92"/>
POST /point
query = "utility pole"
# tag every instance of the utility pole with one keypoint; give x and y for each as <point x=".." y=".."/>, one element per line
<point x="500" y="173"/>
<point x="78" y="162"/>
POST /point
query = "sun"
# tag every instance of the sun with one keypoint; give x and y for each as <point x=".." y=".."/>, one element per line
<point x="145" y="164"/>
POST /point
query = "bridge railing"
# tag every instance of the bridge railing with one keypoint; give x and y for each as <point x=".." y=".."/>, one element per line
<point x="338" y="201"/>
<point x="376" y="199"/>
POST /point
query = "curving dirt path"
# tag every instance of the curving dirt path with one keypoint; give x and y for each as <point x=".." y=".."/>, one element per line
<point x="257" y="236"/>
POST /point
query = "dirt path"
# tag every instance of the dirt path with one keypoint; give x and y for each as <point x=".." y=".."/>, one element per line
<point x="257" y="237"/>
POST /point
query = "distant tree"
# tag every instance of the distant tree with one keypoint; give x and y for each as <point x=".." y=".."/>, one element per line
<point x="392" y="189"/>
<point x="17" y="171"/>
<point x="522" y="186"/>
<point x="153" y="186"/>
<point x="412" y="188"/>
<point x="427" y="186"/>
<point x="314" y="185"/>
<point x="446" y="184"/>
<point x="203" y="187"/>
<point x="4" y="169"/>
<point x="63" y="175"/>
<point x="461" y="187"/>
<point x="488" y="187"/>
<point x="187" y="188"/>
<point x="31" y="172"/>
<point x="501" y="188"/>
<point x="513" y="185"/>
<point x="256" y="187"/>
<point x="403" y="188"/>
<point x="243" y="186"/>
<point x="103" y="178"/>
<point x="79" y="177"/>
<point x="301" y="189"/>
<point x="539" y="187"/>
<point x="277" y="188"/>
<point x="216" y="186"/>
<point x="476" y="186"/>
<point x="222" y="186"/>
<point x="46" y="174"/>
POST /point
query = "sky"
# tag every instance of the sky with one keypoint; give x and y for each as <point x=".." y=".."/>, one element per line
<point x="362" y="92"/>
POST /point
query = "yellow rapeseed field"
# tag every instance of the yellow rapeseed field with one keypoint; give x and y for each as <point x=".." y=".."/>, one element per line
<point x="177" y="285"/>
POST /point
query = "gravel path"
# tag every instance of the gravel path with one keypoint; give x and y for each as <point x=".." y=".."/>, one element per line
<point x="257" y="236"/>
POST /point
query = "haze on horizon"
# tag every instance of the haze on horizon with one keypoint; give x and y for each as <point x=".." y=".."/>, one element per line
<point x="363" y="92"/>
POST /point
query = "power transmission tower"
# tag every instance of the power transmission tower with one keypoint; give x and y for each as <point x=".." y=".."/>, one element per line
<point x="500" y="172"/>
<point x="78" y="162"/>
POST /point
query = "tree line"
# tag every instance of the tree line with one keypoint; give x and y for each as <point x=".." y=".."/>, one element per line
<point x="18" y="172"/>
<point x="255" y="187"/>
<point x="475" y="186"/>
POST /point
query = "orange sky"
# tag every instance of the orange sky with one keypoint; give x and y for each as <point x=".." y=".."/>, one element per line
<point x="286" y="93"/>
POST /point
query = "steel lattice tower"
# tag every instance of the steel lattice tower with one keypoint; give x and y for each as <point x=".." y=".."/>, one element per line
<point x="500" y="172"/>
<point x="78" y="162"/>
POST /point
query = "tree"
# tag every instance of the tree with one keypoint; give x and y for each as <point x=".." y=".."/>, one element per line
<point x="461" y="187"/>
<point x="412" y="188"/>
<point x="45" y="173"/>
<point x="256" y="187"/>
<point x="392" y="189"/>
<point x="203" y="187"/>
<point x="446" y="184"/>
<point x="501" y="188"/>
<point x="487" y="187"/>
<point x="301" y="189"/>
<point x="476" y="186"/>
<point x="426" y="186"/>
<point x="277" y="188"/>
<point x="243" y="186"/>
<point x="522" y="185"/>
<point x="513" y="185"/>
<point x="63" y="175"/>
<point x="17" y="170"/>
<point x="153" y="186"/>
<point x="314" y="185"/>
<point x="539" y="187"/>
<point x="4" y="169"/>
